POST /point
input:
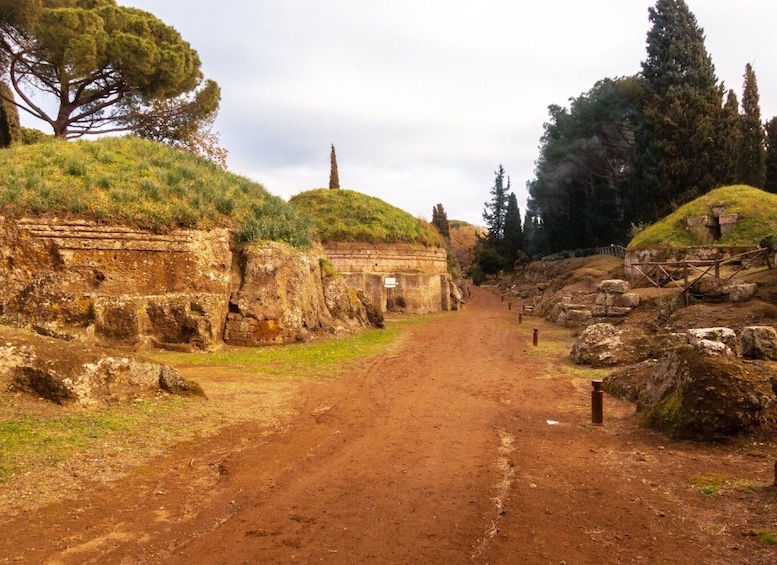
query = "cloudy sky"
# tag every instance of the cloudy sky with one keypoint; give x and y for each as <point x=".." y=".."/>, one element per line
<point x="423" y="99"/>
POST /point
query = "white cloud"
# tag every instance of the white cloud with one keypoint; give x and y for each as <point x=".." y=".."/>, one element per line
<point x="423" y="99"/>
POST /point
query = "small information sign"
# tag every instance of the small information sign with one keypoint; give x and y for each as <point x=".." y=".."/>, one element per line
<point x="390" y="282"/>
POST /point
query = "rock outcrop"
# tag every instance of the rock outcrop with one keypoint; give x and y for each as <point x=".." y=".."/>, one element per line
<point x="87" y="281"/>
<point x="68" y="373"/>
<point x="702" y="397"/>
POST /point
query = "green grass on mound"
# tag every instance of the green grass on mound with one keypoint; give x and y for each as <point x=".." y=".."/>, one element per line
<point x="345" y="215"/>
<point x="756" y="208"/>
<point x="144" y="184"/>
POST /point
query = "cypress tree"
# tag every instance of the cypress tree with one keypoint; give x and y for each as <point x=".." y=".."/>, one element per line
<point x="733" y="135"/>
<point x="10" y="127"/>
<point x="771" y="155"/>
<point x="513" y="233"/>
<point x="440" y="220"/>
<point x="495" y="209"/>
<point x="334" y="177"/>
<point x="684" y="108"/>
<point x="751" y="162"/>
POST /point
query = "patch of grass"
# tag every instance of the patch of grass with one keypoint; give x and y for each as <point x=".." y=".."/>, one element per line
<point x="767" y="537"/>
<point x="143" y="184"/>
<point x="345" y="215"/>
<point x="709" y="484"/>
<point x="306" y="360"/>
<point x="584" y="372"/>
<point x="29" y="442"/>
<point x="756" y="219"/>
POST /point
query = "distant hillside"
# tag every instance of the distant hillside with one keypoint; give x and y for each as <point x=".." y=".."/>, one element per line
<point x="756" y="211"/>
<point x="144" y="184"/>
<point x="464" y="236"/>
<point x="346" y="215"/>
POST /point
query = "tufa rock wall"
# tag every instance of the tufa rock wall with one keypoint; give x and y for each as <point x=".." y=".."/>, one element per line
<point x="423" y="283"/>
<point x="279" y="295"/>
<point x="89" y="281"/>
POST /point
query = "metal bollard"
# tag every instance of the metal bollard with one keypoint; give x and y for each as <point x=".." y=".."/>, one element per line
<point x="509" y="306"/>
<point x="597" y="403"/>
<point x="503" y="298"/>
<point x="520" y="318"/>
<point x="536" y="338"/>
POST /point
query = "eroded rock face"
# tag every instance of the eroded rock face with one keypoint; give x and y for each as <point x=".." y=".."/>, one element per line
<point x="79" y="280"/>
<point x="695" y="396"/>
<point x="68" y="373"/>
<point x="278" y="296"/>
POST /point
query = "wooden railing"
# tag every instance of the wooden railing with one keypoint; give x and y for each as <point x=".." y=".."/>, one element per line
<point x="615" y="250"/>
<point x="684" y="273"/>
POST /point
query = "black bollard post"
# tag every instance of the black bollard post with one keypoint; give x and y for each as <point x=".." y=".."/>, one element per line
<point x="597" y="403"/>
<point x="520" y="318"/>
<point x="509" y="306"/>
<point x="536" y="338"/>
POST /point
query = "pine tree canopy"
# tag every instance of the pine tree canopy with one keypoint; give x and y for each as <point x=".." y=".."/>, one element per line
<point x="107" y="66"/>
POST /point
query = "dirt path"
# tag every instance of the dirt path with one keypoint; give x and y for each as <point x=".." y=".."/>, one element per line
<point x="439" y="452"/>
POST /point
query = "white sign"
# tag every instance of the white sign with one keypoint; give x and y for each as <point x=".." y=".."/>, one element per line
<point x="390" y="282"/>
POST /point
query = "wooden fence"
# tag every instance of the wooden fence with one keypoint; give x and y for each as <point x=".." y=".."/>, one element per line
<point x="683" y="274"/>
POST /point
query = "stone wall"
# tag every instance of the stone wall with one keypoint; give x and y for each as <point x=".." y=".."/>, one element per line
<point x="116" y="283"/>
<point x="421" y="274"/>
<point x="81" y="280"/>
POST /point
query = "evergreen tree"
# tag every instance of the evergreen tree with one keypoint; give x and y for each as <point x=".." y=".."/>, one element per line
<point x="440" y="220"/>
<point x="771" y="155"/>
<point x="495" y="209"/>
<point x="733" y="135"/>
<point x="102" y="65"/>
<point x="513" y="233"/>
<point x="751" y="162"/>
<point x="334" y="176"/>
<point x="684" y="109"/>
<point x="583" y="192"/>
<point x="10" y="127"/>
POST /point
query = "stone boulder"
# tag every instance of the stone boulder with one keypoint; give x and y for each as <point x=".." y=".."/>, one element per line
<point x="740" y="292"/>
<point x="699" y="338"/>
<point x="613" y="299"/>
<point x="758" y="342"/>
<point x="597" y="346"/>
<point x="613" y="286"/>
<point x="280" y="295"/>
<point x="605" y="345"/>
<point x="344" y="302"/>
<point x="699" y="397"/>
<point x="69" y="373"/>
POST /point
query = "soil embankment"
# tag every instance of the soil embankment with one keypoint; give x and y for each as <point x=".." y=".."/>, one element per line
<point x="463" y="444"/>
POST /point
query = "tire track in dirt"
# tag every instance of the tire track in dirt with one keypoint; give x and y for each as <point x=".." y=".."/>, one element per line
<point x="439" y="451"/>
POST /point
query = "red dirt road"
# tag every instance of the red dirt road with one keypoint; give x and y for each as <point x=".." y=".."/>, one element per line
<point x="439" y="452"/>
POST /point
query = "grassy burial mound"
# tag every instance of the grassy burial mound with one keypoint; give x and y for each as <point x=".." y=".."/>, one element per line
<point x="142" y="184"/>
<point x="736" y="215"/>
<point x="345" y="215"/>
